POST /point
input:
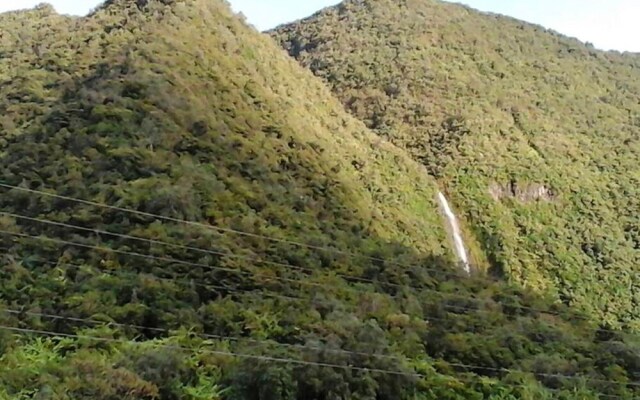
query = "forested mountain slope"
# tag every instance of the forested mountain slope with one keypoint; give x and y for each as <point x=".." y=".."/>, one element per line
<point x="535" y="136"/>
<point x="238" y="234"/>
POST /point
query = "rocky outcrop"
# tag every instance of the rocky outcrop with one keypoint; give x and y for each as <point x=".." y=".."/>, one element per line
<point x="525" y="193"/>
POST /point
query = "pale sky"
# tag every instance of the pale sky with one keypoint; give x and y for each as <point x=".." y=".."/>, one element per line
<point x="608" y="24"/>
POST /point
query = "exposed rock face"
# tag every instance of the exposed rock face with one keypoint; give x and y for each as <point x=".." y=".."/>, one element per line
<point x="525" y="193"/>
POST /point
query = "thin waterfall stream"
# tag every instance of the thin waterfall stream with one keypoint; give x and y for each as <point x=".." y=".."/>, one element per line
<point x="458" y="242"/>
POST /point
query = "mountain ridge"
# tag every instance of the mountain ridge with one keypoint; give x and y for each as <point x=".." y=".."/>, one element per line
<point x="187" y="127"/>
<point x="486" y="102"/>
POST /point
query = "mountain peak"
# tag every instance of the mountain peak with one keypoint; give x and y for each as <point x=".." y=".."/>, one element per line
<point x="486" y="101"/>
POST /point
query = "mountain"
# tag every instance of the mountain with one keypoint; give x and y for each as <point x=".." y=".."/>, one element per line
<point x="186" y="213"/>
<point x="535" y="136"/>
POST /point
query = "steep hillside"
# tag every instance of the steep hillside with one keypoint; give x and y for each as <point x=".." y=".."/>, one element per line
<point x="186" y="213"/>
<point x="535" y="136"/>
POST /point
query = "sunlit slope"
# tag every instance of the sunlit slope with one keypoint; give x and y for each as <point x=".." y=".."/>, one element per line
<point x="535" y="135"/>
<point x="211" y="121"/>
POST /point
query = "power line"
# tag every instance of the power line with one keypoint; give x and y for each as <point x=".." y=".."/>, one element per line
<point x="155" y="258"/>
<point x="207" y="286"/>
<point x="254" y="235"/>
<point x="216" y="352"/>
<point x="248" y="234"/>
<point x="211" y="252"/>
<point x="172" y="260"/>
<point x="255" y="357"/>
<point x="200" y="265"/>
<point x="266" y="294"/>
<point x="461" y="365"/>
<point x="299" y="346"/>
<point x="213" y="227"/>
<point x="186" y="283"/>
<point x="261" y="293"/>
<point x="231" y="255"/>
<point x="146" y="256"/>
<point x="206" y="335"/>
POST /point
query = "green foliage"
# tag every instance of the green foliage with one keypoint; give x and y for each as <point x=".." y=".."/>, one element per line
<point x="484" y="101"/>
<point x="178" y="109"/>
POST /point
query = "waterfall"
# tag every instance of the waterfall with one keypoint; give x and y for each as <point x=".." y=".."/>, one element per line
<point x="461" y="251"/>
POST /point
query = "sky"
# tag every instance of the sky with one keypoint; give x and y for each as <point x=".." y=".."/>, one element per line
<point x="608" y="24"/>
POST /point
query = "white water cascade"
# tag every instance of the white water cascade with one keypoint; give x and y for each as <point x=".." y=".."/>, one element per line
<point x="461" y="251"/>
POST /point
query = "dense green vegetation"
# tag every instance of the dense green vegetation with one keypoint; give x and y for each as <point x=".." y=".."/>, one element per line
<point x="488" y="103"/>
<point x="178" y="109"/>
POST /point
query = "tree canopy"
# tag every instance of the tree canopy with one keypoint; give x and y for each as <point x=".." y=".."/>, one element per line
<point x="535" y="136"/>
<point x="186" y="213"/>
